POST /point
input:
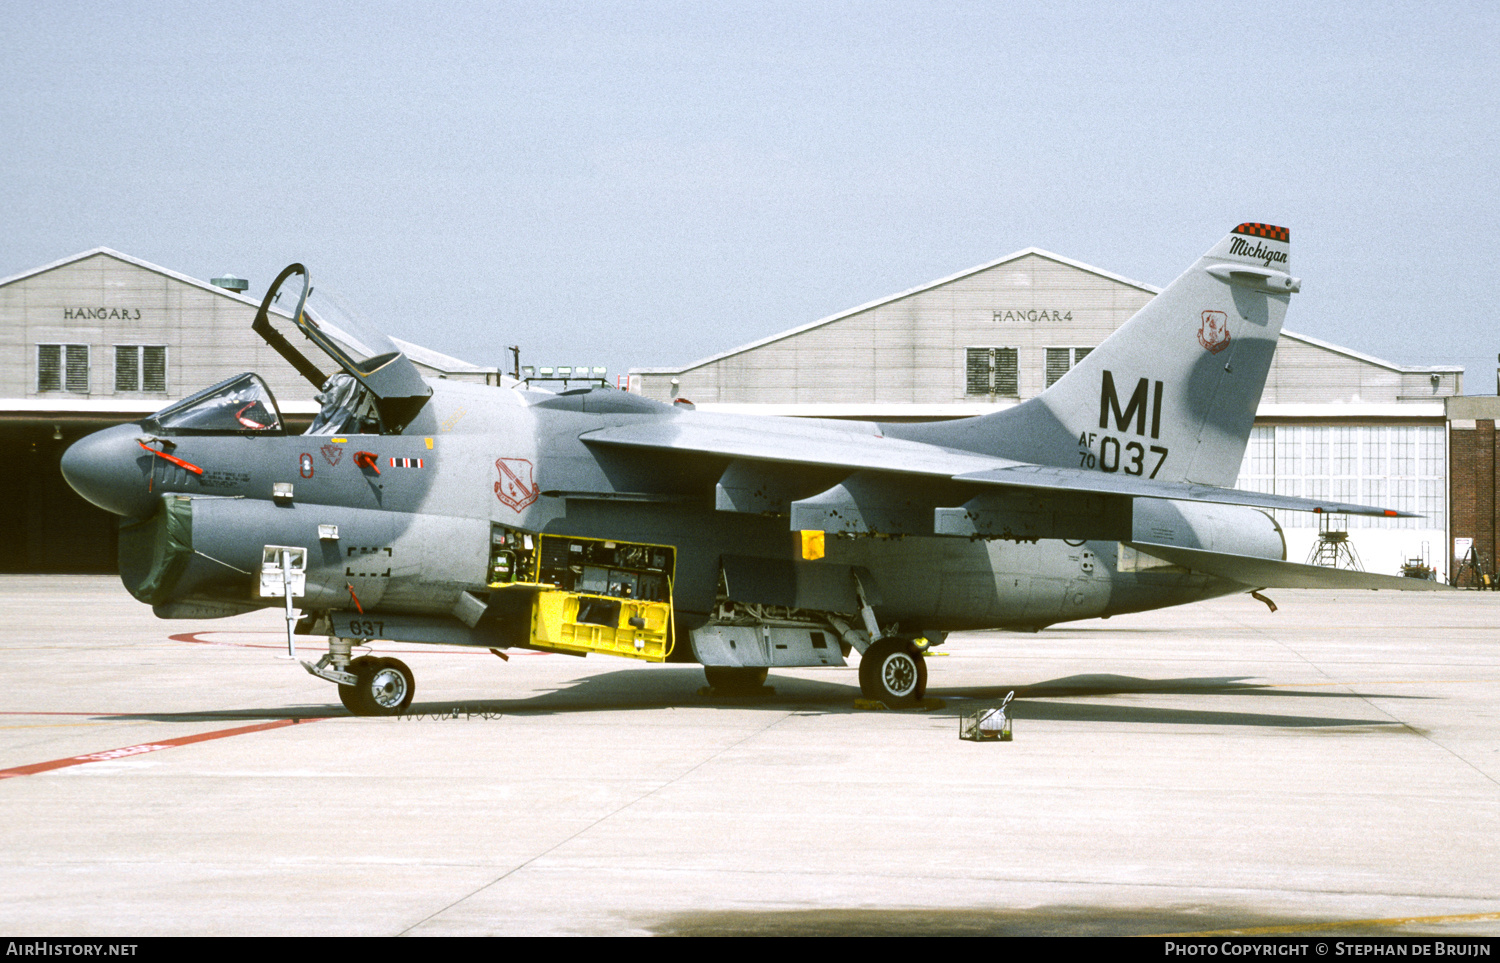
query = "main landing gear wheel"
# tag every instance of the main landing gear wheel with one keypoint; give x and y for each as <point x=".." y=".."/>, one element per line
<point x="731" y="678"/>
<point x="385" y="687"/>
<point x="894" y="672"/>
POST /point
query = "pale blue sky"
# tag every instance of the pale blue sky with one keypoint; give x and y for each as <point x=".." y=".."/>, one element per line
<point x="649" y="183"/>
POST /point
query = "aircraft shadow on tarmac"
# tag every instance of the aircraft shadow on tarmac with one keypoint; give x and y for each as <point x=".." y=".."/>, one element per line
<point x="662" y="687"/>
<point x="1186" y="921"/>
<point x="1030" y="704"/>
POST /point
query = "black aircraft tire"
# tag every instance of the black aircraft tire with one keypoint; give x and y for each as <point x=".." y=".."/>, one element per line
<point x="733" y="678"/>
<point x="353" y="696"/>
<point x="349" y="696"/>
<point x="385" y="687"/>
<point x="894" y="672"/>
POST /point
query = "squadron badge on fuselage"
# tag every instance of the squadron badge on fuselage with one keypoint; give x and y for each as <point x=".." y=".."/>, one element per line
<point x="515" y="487"/>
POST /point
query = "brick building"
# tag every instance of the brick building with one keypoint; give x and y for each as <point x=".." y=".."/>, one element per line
<point x="1474" y="477"/>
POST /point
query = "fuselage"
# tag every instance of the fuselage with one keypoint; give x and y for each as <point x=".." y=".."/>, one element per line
<point x="405" y="523"/>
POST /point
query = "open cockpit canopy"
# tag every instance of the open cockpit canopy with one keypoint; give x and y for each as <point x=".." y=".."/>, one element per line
<point x="380" y="388"/>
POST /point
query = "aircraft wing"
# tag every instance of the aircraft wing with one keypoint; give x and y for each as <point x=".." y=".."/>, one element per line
<point x="865" y="449"/>
<point x="1100" y="483"/>
<point x="796" y="443"/>
<point x="1272" y="573"/>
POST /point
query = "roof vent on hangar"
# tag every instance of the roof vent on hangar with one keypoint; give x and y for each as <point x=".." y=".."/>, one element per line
<point x="231" y="283"/>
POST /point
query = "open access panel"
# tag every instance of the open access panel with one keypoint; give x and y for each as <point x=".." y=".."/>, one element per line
<point x="589" y="594"/>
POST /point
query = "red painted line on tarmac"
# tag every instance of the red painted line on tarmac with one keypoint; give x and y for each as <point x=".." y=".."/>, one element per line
<point x="193" y="638"/>
<point x="109" y="755"/>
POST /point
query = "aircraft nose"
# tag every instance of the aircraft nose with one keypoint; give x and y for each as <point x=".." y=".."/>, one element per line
<point x="106" y="468"/>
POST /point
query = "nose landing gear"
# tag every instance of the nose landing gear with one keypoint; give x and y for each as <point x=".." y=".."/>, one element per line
<point x="368" y="686"/>
<point x="383" y="687"/>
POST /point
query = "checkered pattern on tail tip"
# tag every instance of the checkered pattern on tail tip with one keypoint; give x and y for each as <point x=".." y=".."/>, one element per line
<point x="1268" y="231"/>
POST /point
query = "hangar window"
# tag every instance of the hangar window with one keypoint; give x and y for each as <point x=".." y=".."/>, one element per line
<point x="62" y="367"/>
<point x="140" y="367"/>
<point x="1059" y="360"/>
<point x="991" y="371"/>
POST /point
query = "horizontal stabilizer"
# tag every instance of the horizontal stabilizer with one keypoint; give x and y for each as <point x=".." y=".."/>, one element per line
<point x="1272" y="573"/>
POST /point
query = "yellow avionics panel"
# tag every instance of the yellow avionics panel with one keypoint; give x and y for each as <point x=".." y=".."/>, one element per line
<point x="573" y="622"/>
<point x="596" y="594"/>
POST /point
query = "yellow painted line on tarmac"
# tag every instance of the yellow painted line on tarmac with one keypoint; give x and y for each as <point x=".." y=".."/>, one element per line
<point x="1295" y="929"/>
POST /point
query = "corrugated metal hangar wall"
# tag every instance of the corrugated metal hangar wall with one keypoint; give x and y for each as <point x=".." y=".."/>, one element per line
<point x="923" y="347"/>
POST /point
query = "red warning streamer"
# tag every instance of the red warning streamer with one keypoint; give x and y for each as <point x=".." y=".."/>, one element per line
<point x="172" y="458"/>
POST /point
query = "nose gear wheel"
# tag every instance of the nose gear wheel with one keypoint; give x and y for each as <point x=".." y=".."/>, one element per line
<point x="384" y="688"/>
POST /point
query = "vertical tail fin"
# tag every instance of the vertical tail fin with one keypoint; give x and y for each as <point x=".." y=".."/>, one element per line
<point x="1172" y="394"/>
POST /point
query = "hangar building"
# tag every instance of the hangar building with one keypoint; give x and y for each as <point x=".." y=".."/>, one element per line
<point x="102" y="338"/>
<point x="1332" y="423"/>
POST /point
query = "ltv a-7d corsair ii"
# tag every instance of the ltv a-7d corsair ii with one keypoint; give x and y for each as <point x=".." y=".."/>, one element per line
<point x="594" y="520"/>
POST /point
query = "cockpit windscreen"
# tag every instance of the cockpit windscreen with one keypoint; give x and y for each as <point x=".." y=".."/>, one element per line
<point x="241" y="405"/>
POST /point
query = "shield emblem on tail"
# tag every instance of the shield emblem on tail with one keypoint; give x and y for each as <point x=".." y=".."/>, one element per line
<point x="1213" y="333"/>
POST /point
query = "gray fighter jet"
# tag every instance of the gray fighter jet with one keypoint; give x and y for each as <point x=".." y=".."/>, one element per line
<point x="594" y="520"/>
